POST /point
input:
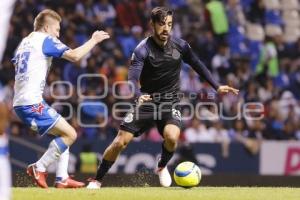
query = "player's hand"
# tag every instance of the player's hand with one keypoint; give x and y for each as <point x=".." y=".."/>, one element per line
<point x="99" y="36"/>
<point x="144" y="98"/>
<point x="227" y="89"/>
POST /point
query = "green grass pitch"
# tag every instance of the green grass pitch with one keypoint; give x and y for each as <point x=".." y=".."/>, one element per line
<point x="159" y="193"/>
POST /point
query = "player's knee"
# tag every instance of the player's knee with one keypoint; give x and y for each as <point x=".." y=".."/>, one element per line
<point x="171" y="139"/>
<point x="120" y="144"/>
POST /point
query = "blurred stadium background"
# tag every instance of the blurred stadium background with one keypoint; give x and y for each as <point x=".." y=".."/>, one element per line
<point x="252" y="45"/>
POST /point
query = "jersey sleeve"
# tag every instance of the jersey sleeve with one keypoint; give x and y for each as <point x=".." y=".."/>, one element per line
<point x="136" y="67"/>
<point x="190" y="58"/>
<point x="53" y="47"/>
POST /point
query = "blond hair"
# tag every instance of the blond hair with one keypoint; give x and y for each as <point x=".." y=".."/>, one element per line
<point x="41" y="18"/>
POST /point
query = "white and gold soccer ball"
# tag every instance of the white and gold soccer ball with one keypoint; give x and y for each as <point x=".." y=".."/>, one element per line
<point x="187" y="174"/>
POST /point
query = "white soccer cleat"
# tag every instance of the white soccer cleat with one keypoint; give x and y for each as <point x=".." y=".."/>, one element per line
<point x="165" y="179"/>
<point x="94" y="184"/>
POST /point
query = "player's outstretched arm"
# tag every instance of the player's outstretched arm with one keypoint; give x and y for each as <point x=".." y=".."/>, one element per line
<point x="74" y="55"/>
<point x="190" y="58"/>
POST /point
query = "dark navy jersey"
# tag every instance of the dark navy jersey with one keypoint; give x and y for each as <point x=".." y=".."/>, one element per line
<point x="158" y="68"/>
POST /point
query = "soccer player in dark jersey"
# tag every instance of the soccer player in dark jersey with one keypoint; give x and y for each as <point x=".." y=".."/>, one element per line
<point x="156" y="64"/>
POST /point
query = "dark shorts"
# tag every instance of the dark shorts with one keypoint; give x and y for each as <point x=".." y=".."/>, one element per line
<point x="142" y="118"/>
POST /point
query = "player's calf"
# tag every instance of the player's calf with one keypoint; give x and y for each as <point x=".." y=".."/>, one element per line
<point x="70" y="137"/>
<point x="118" y="145"/>
<point x="171" y="135"/>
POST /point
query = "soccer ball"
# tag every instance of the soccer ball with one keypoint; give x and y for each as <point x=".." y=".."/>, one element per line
<point x="187" y="174"/>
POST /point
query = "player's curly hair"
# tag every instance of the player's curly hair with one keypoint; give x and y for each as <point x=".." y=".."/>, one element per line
<point x="41" y="18"/>
<point x="158" y="14"/>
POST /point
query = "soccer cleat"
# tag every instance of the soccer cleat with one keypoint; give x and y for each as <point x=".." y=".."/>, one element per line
<point x="165" y="179"/>
<point x="93" y="184"/>
<point x="38" y="177"/>
<point x="69" y="183"/>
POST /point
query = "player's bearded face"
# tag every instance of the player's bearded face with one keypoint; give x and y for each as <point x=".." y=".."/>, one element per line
<point x="162" y="29"/>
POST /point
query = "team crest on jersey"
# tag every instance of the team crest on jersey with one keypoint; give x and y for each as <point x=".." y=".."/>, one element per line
<point x="175" y="54"/>
<point x="128" y="118"/>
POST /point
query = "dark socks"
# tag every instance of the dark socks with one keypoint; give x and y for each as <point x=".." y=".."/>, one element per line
<point x="165" y="157"/>
<point x="103" y="169"/>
